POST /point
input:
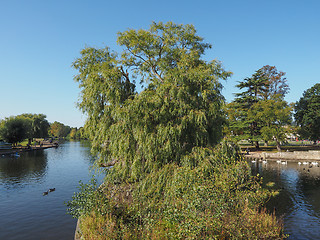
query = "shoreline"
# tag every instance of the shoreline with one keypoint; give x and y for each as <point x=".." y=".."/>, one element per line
<point x="311" y="155"/>
<point x="28" y="149"/>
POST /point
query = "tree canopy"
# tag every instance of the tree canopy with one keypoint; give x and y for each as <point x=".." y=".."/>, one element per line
<point x="39" y="125"/>
<point x="178" y="108"/>
<point x="307" y="113"/>
<point x="14" y="129"/>
<point x="260" y="112"/>
<point x="17" y="128"/>
<point x="58" y="129"/>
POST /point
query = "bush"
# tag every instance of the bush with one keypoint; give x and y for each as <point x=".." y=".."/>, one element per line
<point x="211" y="198"/>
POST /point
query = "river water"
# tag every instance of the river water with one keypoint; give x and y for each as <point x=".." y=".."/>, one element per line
<point x="24" y="212"/>
<point x="299" y="199"/>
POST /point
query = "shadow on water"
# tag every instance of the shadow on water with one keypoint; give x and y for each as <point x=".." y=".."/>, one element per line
<point x="28" y="214"/>
<point x="30" y="166"/>
<point x="298" y="199"/>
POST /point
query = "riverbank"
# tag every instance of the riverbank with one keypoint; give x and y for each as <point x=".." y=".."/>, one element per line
<point x="28" y="148"/>
<point x="311" y="155"/>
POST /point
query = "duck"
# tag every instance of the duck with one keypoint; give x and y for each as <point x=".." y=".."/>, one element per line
<point x="45" y="193"/>
<point x="305" y="163"/>
<point x="52" y="189"/>
<point x="314" y="163"/>
<point x="16" y="154"/>
<point x="284" y="163"/>
<point x="265" y="161"/>
<point x="278" y="161"/>
<point x="299" y="163"/>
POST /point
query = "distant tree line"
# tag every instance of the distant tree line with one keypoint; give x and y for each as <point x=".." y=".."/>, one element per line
<point x="16" y="129"/>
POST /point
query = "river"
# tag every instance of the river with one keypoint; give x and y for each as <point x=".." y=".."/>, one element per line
<point x="24" y="212"/>
<point x="299" y="199"/>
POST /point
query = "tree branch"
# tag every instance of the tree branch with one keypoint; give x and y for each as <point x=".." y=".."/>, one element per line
<point x="109" y="164"/>
<point x="149" y="63"/>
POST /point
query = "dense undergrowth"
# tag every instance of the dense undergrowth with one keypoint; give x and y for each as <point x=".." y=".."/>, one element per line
<point x="212" y="195"/>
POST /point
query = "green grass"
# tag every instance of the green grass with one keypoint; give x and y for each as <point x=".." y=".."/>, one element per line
<point x="290" y="146"/>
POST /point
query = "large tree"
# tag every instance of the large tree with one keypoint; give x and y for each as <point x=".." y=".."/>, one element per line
<point x="274" y="117"/>
<point x="38" y="127"/>
<point x="166" y="180"/>
<point x="59" y="130"/>
<point x="266" y="85"/>
<point x="14" y="129"/>
<point x="307" y="113"/>
<point x="179" y="107"/>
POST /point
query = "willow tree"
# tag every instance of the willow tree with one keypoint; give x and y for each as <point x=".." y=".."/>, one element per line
<point x="166" y="182"/>
<point x="178" y="108"/>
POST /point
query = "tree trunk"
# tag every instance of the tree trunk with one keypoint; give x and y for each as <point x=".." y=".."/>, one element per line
<point x="256" y="144"/>
<point x="278" y="146"/>
<point x="266" y="143"/>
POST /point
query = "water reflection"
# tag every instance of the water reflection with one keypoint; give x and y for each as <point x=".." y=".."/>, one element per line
<point x="298" y="201"/>
<point x="25" y="212"/>
<point x="18" y="171"/>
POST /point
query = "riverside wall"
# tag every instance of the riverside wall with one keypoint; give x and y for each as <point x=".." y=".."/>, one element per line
<point x="310" y="155"/>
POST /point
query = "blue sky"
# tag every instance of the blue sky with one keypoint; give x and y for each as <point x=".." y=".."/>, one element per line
<point x="39" y="40"/>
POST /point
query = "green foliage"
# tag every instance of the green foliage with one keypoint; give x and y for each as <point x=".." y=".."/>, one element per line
<point x="260" y="112"/>
<point x="214" y="198"/>
<point x="166" y="180"/>
<point x="179" y="108"/>
<point x="14" y="129"/>
<point x="85" y="201"/>
<point x="39" y="125"/>
<point x="58" y="129"/>
<point x="273" y="115"/>
<point x="307" y="113"/>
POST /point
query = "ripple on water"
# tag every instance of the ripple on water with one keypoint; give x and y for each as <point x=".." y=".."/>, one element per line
<point x="298" y="201"/>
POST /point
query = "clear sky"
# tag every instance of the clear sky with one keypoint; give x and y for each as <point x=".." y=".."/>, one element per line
<point x="39" y="40"/>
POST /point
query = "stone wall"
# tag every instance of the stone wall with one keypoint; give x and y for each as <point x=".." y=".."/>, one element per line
<point x="296" y="155"/>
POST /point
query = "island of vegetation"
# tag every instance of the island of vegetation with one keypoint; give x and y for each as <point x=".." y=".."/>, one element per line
<point x="167" y="140"/>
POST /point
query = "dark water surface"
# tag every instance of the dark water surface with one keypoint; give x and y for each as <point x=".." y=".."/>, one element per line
<point x="299" y="198"/>
<point x="24" y="212"/>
